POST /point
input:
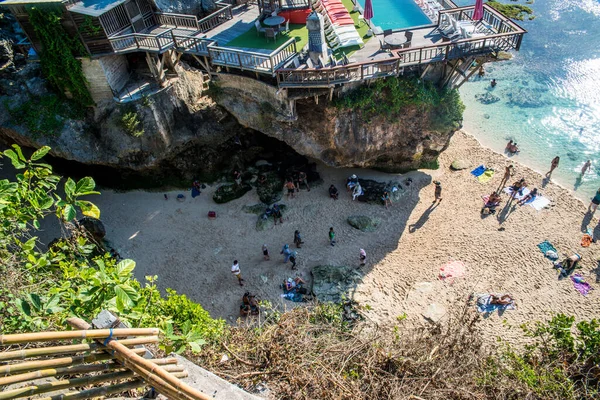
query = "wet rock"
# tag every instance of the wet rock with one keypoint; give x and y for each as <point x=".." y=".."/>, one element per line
<point x="266" y="221"/>
<point x="94" y="226"/>
<point x="457" y="165"/>
<point x="526" y="97"/>
<point x="373" y="190"/>
<point x="271" y="190"/>
<point x="257" y="209"/>
<point x="226" y="193"/>
<point x="334" y="283"/>
<point x="364" y="223"/>
<point x="487" y="98"/>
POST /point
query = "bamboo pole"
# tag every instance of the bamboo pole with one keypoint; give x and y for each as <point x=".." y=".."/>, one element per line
<point x="164" y="361"/>
<point x="60" y="362"/>
<point x="73" y="348"/>
<point x="81" y="334"/>
<point x="44" y="373"/>
<point x="161" y="380"/>
<point x="98" y="392"/>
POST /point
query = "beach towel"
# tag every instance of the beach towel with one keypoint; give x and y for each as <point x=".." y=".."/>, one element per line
<point x="586" y="240"/>
<point x="452" y="270"/>
<point x="292" y="296"/>
<point x="484" y="305"/>
<point x="539" y="202"/>
<point x="486" y="176"/>
<point x="522" y="193"/>
<point x="478" y="171"/>
<point x="581" y="286"/>
<point x="545" y="247"/>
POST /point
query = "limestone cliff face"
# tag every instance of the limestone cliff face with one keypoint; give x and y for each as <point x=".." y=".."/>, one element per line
<point x="338" y="137"/>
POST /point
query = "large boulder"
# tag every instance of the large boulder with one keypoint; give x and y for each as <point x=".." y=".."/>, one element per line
<point x="334" y="283"/>
<point x="94" y="226"/>
<point x="271" y="190"/>
<point x="373" y="190"/>
<point x="364" y="223"/>
<point x="226" y="193"/>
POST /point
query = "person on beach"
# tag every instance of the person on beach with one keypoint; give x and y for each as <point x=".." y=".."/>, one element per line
<point x="595" y="201"/>
<point x="493" y="83"/>
<point x="297" y="239"/>
<point x="265" y="251"/>
<point x="586" y="167"/>
<point x="357" y="191"/>
<point x="351" y="182"/>
<point x="235" y="270"/>
<point x="293" y="256"/>
<point x="286" y="253"/>
<point x="302" y="179"/>
<point x="331" y="236"/>
<point x="237" y="177"/>
<point x="553" y="166"/>
<point x="363" y="257"/>
<point x="277" y="214"/>
<point x="501" y="300"/>
<point x="437" y="192"/>
<point x="386" y="199"/>
<point x="518" y="186"/>
<point x="530" y="196"/>
<point x="508" y="145"/>
<point x="291" y="188"/>
<point x="568" y="265"/>
<point x="481" y="72"/>
<point x="508" y="173"/>
<point x="333" y="192"/>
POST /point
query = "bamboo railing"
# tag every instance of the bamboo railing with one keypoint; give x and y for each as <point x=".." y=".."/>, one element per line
<point x="113" y="365"/>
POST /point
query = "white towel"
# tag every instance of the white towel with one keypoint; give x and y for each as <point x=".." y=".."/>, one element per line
<point x="539" y="202"/>
<point x="524" y="192"/>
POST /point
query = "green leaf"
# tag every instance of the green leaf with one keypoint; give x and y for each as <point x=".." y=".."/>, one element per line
<point x="53" y="302"/>
<point x="197" y="346"/>
<point x="29" y="245"/>
<point x="70" y="187"/>
<point x="123" y="297"/>
<point x="46" y="202"/>
<point x="84" y="186"/>
<point x="36" y="302"/>
<point x="89" y="209"/>
<point x="39" y="153"/>
<point x="69" y="212"/>
<point x="36" y="224"/>
<point x="23" y="306"/>
<point x="14" y="159"/>
<point x="19" y="152"/>
<point x="125" y="267"/>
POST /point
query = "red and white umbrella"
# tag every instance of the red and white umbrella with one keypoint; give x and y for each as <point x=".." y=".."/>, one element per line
<point x="368" y="14"/>
<point x="478" y="13"/>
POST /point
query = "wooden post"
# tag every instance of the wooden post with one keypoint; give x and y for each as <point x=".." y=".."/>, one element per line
<point x="470" y="74"/>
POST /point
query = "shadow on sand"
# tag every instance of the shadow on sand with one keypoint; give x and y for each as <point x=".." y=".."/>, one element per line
<point x="423" y="218"/>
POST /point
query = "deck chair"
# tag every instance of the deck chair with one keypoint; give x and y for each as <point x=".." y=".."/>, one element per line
<point x="387" y="32"/>
<point x="309" y="63"/>
<point x="384" y="46"/>
<point x="271" y="33"/>
<point x="259" y="28"/>
<point x="287" y="27"/>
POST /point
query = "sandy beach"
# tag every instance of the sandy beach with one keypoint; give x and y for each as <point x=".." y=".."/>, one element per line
<point x="193" y="255"/>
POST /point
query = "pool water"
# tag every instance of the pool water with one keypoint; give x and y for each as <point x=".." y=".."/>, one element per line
<point x="396" y="14"/>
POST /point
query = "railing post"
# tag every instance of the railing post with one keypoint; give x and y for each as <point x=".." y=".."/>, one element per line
<point x="137" y="45"/>
<point x="157" y="42"/>
<point x="420" y="55"/>
<point x="174" y="40"/>
<point x="240" y="60"/>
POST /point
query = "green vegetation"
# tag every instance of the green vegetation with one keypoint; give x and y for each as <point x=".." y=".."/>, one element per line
<point x="251" y="40"/>
<point x="77" y="276"/>
<point x="88" y="27"/>
<point x="130" y="122"/>
<point x="45" y="115"/>
<point x="58" y="58"/>
<point x="392" y="96"/>
<point x="514" y="11"/>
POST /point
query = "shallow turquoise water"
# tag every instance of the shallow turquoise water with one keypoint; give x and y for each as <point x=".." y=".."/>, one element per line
<point x="396" y="14"/>
<point x="549" y="94"/>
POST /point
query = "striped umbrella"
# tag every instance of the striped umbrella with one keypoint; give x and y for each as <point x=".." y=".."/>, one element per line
<point x="368" y="14"/>
<point x="478" y="12"/>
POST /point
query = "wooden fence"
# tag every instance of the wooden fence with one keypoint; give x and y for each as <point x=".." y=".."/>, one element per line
<point x="177" y="20"/>
<point x="140" y="41"/>
<point x="251" y="61"/>
<point x="215" y="19"/>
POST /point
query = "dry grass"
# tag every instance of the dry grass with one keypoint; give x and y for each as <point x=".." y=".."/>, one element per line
<point x="306" y="354"/>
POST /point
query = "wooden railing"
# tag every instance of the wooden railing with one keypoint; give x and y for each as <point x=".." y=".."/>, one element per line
<point x="251" y="61"/>
<point x="140" y="41"/>
<point x="177" y="20"/>
<point x="193" y="45"/>
<point x="507" y="37"/>
<point x="218" y="17"/>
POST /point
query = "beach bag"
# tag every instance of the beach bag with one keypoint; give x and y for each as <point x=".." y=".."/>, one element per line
<point x="212" y="214"/>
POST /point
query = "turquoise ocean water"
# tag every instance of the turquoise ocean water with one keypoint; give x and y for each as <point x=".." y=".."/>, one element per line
<point x="548" y="94"/>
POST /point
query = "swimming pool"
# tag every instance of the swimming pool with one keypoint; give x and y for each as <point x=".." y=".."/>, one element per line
<point x="396" y="14"/>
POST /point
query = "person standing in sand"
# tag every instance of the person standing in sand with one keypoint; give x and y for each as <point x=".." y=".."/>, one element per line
<point x="303" y="179"/>
<point x="363" y="257"/>
<point x="265" y="251"/>
<point x="293" y="256"/>
<point x="331" y="236"/>
<point x="508" y="172"/>
<point x="286" y="253"/>
<point x="595" y="201"/>
<point x="438" y="192"/>
<point x="291" y="188"/>
<point x="298" y="239"/>
<point x="553" y="166"/>
<point x="277" y="214"/>
<point x="586" y="167"/>
<point x="235" y="270"/>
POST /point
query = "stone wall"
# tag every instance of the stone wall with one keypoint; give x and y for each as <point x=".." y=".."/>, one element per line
<point x="116" y="69"/>
<point x="97" y="82"/>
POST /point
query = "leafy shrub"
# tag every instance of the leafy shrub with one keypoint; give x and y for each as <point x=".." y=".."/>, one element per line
<point x="514" y="11"/>
<point x="130" y="123"/>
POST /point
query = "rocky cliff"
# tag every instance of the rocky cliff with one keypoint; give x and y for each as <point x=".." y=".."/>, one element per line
<point x="192" y="134"/>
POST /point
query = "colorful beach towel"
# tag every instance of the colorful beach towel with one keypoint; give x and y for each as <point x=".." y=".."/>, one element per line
<point x="484" y="305"/>
<point x="486" y="176"/>
<point x="452" y="270"/>
<point x="581" y="286"/>
<point x="522" y="193"/>
<point x="539" y="202"/>
<point x="586" y="240"/>
<point x="546" y="247"/>
<point x="478" y="171"/>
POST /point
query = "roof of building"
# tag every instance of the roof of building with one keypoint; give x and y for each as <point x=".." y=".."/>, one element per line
<point x="94" y="8"/>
